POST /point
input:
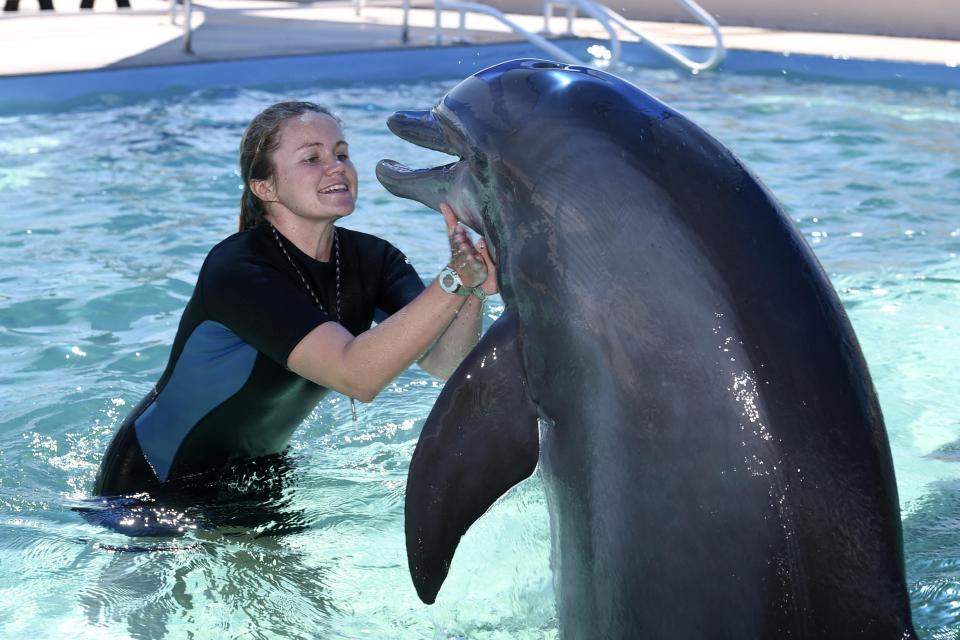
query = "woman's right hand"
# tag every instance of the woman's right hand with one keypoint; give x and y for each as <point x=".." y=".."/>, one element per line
<point x="464" y="257"/>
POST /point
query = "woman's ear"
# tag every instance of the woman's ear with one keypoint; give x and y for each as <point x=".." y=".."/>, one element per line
<point x="264" y="189"/>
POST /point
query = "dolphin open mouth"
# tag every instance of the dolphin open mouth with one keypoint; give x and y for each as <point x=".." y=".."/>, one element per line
<point x="434" y="185"/>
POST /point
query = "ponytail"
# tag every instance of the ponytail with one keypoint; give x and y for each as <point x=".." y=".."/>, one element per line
<point x="251" y="210"/>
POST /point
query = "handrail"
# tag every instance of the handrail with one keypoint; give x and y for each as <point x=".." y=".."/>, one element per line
<point x="604" y="15"/>
<point x="405" y="32"/>
<point x="596" y="11"/>
<point x="716" y="56"/>
<point x="591" y="8"/>
<point x="187" y="22"/>
<point x="607" y="17"/>
<point x="463" y="7"/>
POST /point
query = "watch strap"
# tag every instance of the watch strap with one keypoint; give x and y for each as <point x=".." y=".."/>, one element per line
<point x="450" y="282"/>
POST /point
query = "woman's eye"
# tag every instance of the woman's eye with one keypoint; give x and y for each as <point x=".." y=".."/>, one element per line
<point x="310" y="159"/>
<point x="342" y="157"/>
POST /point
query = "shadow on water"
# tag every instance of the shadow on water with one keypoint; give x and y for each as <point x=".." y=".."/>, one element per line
<point x="932" y="547"/>
<point x="211" y="552"/>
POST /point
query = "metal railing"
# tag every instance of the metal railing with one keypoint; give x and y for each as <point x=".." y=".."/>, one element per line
<point x="187" y="26"/>
<point x="609" y="19"/>
<point x="594" y="10"/>
<point x="591" y="9"/>
<point x="473" y="7"/>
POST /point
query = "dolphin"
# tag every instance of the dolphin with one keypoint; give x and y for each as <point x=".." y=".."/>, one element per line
<point x="674" y="360"/>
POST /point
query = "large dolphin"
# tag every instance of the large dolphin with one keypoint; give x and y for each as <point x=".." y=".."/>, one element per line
<point x="713" y="452"/>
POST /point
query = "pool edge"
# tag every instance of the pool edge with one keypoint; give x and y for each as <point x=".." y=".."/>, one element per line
<point x="31" y="92"/>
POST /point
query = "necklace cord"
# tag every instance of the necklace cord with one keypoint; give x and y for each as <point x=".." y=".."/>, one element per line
<point x="316" y="299"/>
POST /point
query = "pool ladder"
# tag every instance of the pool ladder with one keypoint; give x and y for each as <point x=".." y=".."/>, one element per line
<point x="609" y="19"/>
<point x="187" y="22"/>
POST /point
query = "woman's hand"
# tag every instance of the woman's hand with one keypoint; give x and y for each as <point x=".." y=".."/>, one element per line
<point x="489" y="285"/>
<point x="473" y="264"/>
<point x="476" y="269"/>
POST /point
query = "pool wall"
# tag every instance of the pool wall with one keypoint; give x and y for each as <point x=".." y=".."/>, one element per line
<point x="38" y="92"/>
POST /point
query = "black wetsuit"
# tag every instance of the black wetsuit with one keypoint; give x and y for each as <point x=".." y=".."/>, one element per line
<point x="226" y="394"/>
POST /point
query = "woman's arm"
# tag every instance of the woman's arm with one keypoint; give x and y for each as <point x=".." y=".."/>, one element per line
<point x="456" y="341"/>
<point x="362" y="366"/>
<point x="462" y="335"/>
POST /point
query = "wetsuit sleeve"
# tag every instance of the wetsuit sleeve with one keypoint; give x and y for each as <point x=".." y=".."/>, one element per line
<point x="261" y="305"/>
<point x="399" y="283"/>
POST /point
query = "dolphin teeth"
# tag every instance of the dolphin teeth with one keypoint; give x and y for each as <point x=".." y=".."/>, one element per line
<point x="392" y="166"/>
<point x="398" y="171"/>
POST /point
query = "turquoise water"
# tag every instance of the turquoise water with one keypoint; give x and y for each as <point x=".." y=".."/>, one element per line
<point x="109" y="209"/>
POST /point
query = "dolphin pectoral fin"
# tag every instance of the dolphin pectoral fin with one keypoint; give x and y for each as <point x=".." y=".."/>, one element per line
<point x="480" y="439"/>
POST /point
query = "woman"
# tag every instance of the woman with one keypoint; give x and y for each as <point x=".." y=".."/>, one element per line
<point x="282" y="311"/>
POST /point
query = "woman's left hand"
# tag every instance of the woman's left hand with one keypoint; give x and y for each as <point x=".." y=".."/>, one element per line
<point x="489" y="285"/>
<point x="474" y="265"/>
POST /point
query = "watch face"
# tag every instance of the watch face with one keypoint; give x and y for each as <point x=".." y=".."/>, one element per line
<point x="449" y="281"/>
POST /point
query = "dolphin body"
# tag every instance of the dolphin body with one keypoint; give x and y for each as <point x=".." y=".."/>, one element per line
<point x="711" y="445"/>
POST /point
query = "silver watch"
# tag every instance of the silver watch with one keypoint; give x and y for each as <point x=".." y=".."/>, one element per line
<point x="451" y="283"/>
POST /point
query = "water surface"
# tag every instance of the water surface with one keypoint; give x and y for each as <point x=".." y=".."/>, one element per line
<point x="110" y="206"/>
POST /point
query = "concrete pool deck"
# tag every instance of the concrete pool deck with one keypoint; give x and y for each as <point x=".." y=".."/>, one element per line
<point x="68" y="39"/>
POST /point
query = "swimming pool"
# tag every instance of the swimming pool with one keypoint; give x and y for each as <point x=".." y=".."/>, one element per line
<point x="112" y="200"/>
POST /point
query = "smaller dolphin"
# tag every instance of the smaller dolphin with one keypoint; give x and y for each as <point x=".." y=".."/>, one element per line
<point x="711" y="444"/>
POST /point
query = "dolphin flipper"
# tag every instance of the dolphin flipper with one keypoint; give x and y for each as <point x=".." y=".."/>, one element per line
<point x="480" y="439"/>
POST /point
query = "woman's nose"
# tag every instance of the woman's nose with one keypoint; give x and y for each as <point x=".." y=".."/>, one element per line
<point x="335" y="167"/>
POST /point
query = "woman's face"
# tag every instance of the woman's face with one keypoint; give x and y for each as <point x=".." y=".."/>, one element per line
<point x="313" y="176"/>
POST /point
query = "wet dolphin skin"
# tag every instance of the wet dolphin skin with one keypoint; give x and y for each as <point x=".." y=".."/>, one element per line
<point x="674" y="359"/>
